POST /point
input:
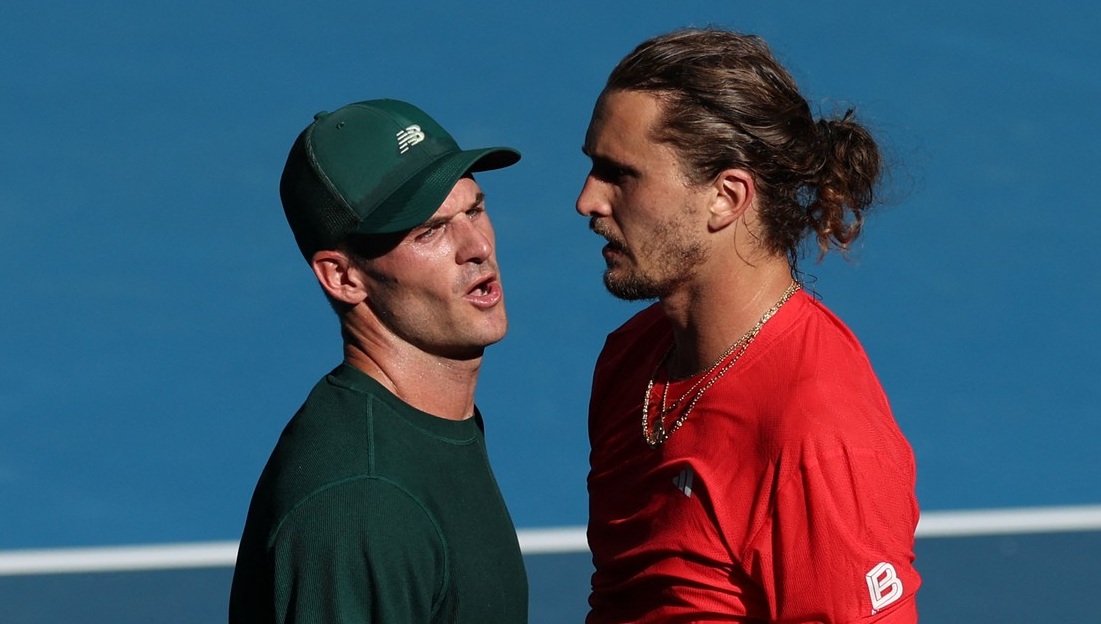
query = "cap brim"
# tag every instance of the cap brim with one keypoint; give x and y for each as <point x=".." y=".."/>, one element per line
<point x="423" y="194"/>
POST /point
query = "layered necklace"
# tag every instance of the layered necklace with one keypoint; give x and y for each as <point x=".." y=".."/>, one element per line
<point x="656" y="437"/>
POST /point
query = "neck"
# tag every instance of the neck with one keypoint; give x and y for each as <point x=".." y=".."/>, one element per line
<point x="440" y="386"/>
<point x="719" y="307"/>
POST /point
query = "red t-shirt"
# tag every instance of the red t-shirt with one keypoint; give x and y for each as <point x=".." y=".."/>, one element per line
<point x="787" y="495"/>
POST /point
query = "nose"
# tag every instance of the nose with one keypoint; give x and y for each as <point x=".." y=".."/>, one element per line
<point x="476" y="241"/>
<point x="592" y="201"/>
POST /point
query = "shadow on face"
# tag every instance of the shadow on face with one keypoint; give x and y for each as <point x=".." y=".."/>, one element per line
<point x="372" y="246"/>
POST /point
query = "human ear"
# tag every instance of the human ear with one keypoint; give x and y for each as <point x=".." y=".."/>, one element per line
<point x="734" y="194"/>
<point x="340" y="278"/>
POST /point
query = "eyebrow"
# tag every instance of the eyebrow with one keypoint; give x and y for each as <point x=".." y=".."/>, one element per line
<point x="479" y="199"/>
<point x="607" y="162"/>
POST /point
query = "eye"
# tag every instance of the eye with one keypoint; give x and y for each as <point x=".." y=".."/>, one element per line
<point x="609" y="172"/>
<point x="429" y="232"/>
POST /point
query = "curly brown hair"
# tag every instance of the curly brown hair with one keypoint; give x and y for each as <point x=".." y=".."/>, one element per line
<point x="728" y="103"/>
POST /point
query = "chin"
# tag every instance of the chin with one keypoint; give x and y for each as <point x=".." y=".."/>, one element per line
<point x="496" y="336"/>
<point x="486" y="334"/>
<point x="630" y="289"/>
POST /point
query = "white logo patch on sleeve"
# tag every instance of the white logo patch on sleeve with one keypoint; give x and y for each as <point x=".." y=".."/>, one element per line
<point x="884" y="586"/>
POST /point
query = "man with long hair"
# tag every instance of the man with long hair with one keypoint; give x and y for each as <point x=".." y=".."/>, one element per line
<point x="745" y="462"/>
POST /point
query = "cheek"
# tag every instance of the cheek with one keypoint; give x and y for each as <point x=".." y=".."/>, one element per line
<point x="634" y="215"/>
<point x="432" y="294"/>
<point x="421" y="294"/>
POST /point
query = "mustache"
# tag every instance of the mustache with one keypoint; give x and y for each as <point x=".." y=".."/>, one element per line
<point x="600" y="228"/>
<point x="481" y="273"/>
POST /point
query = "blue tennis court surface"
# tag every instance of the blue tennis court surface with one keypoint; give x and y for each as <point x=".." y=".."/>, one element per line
<point x="160" y="327"/>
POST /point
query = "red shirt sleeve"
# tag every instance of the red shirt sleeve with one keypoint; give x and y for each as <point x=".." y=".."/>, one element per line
<point x="839" y="544"/>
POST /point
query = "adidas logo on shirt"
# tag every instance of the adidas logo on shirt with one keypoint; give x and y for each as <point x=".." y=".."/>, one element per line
<point x="683" y="481"/>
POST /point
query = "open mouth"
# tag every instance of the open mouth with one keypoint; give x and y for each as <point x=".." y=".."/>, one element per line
<point x="482" y="287"/>
<point x="485" y="293"/>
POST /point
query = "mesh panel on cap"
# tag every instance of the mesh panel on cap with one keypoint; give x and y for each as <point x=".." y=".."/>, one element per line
<point x="317" y="218"/>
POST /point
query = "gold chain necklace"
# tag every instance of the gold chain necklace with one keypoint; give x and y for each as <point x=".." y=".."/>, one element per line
<point x="660" y="434"/>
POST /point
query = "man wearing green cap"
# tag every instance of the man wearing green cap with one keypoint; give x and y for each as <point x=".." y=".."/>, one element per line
<point x="378" y="503"/>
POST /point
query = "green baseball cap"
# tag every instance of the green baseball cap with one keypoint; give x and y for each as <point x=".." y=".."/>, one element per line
<point x="374" y="167"/>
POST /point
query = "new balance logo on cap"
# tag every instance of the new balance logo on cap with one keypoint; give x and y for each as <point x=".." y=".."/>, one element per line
<point x="409" y="137"/>
<point x="683" y="481"/>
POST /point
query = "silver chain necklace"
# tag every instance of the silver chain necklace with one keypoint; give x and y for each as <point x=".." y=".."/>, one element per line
<point x="660" y="434"/>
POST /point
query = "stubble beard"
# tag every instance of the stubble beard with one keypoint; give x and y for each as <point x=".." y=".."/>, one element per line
<point x="673" y="259"/>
